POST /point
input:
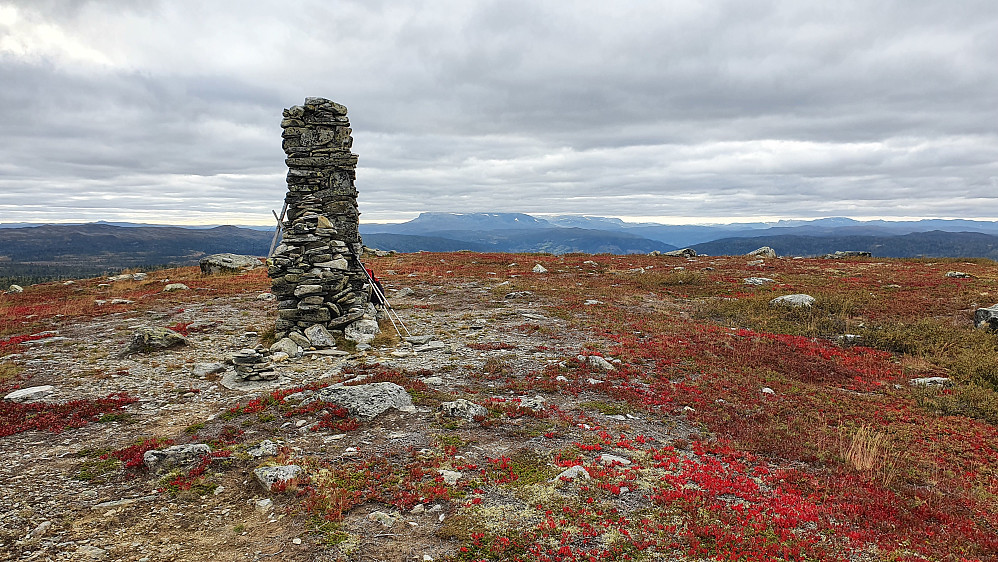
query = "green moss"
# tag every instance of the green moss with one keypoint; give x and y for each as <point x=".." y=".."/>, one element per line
<point x="96" y="469"/>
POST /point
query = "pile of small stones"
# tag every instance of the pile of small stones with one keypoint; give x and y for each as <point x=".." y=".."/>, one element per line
<point x="253" y="365"/>
<point x="316" y="275"/>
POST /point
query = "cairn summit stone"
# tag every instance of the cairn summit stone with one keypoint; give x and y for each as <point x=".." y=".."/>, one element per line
<point x="228" y="263"/>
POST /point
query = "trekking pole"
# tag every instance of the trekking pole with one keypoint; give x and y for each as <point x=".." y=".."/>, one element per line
<point x="277" y="233"/>
<point x="388" y="307"/>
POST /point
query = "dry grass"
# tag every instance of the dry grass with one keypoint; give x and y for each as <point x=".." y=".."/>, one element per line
<point x="870" y="452"/>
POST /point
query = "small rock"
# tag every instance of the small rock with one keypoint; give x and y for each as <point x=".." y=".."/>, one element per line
<point x="536" y="403"/>
<point x="319" y="336"/>
<point x="361" y="331"/>
<point x="202" y="370"/>
<point x="121" y="301"/>
<point x="419" y="340"/>
<point x="596" y="362"/>
<point x="228" y="263"/>
<point x="763" y="252"/>
<point x="267" y="476"/>
<point x="382" y="518"/>
<point x="175" y="287"/>
<point x="30" y="394"/>
<point x="40" y="530"/>
<point x="793" y="301"/>
<point x="15" y="289"/>
<point x="611" y="460"/>
<point x="518" y="294"/>
<point x="404" y="292"/>
<point x="986" y="318"/>
<point x="177" y="455"/>
<point x="288" y="346"/>
<point x="433" y="381"/>
<point x="264" y="505"/>
<point x="462" y="408"/>
<point x="266" y="297"/>
<point x="591" y="302"/>
<point x="266" y="448"/>
<point x="296" y="540"/>
<point x="148" y="339"/>
<point x="538" y="268"/>
<point x="87" y="551"/>
<point x="571" y="473"/>
<point x="757" y="280"/>
<point x="767" y="390"/>
<point x="958" y="275"/>
<point x="931" y="381"/>
<point x="684" y="252"/>
<point x="431" y="346"/>
<point x="450" y="477"/>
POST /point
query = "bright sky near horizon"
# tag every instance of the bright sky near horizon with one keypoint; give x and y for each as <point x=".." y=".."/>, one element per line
<point x="672" y="111"/>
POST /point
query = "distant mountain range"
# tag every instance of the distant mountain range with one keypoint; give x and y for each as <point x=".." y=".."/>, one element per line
<point x="35" y="252"/>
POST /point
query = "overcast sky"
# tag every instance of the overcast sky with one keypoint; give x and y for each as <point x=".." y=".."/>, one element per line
<point x="675" y="111"/>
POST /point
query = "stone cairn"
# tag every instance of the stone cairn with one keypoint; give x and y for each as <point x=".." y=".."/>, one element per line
<point x="316" y="274"/>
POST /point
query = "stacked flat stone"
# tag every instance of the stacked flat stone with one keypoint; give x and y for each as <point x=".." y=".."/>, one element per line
<point x="251" y="365"/>
<point x="315" y="273"/>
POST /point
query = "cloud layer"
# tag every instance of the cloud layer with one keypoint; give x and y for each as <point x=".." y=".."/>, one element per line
<point x="684" y="111"/>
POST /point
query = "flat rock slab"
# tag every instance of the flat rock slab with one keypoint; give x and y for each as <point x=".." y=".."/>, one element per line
<point x="228" y="263"/>
<point x="30" y="394"/>
<point x="234" y="381"/>
<point x="368" y="400"/>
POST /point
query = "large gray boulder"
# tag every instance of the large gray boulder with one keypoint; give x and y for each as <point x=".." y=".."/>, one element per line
<point x="228" y="263"/>
<point x="147" y="339"/>
<point x="987" y="318"/>
<point x="763" y="252"/>
<point x="177" y="455"/>
<point x="793" y="301"/>
<point x="367" y="401"/>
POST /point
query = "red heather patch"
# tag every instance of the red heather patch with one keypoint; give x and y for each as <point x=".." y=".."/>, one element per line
<point x="9" y="345"/>
<point x="132" y="455"/>
<point x="18" y="418"/>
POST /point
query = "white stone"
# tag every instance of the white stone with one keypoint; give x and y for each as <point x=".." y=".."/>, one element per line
<point x="610" y="460"/>
<point x="793" y="301"/>
<point x="767" y="390"/>
<point x="30" y="394"/>
<point x="538" y="268"/>
<point x="571" y="473"/>
<point x="450" y="477"/>
<point x="267" y="476"/>
<point x="757" y="280"/>
<point x="175" y="287"/>
<point x="462" y="408"/>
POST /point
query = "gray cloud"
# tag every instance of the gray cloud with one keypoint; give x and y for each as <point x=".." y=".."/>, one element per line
<point x="169" y="111"/>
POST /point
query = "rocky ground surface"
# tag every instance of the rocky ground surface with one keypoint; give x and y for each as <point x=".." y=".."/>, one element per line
<point x="59" y="502"/>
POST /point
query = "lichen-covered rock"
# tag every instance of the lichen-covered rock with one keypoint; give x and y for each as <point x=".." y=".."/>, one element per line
<point x="462" y="408"/>
<point x="228" y="263"/>
<point x="177" y="455"/>
<point x="596" y="362"/>
<point x="368" y="400"/>
<point x="987" y="317"/>
<point x="175" y="287"/>
<point x="362" y="331"/>
<point x="763" y="252"/>
<point x="147" y="339"/>
<point x="288" y="346"/>
<point x="319" y="336"/>
<point x="793" y="301"/>
<point x="267" y="476"/>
